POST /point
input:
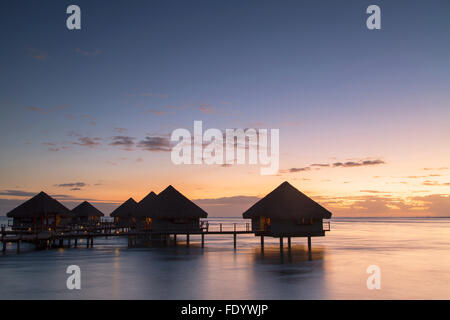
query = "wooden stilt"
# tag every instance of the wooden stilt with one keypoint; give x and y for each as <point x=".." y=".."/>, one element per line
<point x="234" y="238"/>
<point x="3" y="239"/>
<point x="18" y="246"/>
<point x="187" y="240"/>
<point x="309" y="244"/>
<point x="76" y="242"/>
<point x="289" y="243"/>
<point x="68" y="242"/>
<point x="175" y="239"/>
<point x="262" y="243"/>
<point x="92" y="242"/>
<point x="203" y="240"/>
<point x="281" y="243"/>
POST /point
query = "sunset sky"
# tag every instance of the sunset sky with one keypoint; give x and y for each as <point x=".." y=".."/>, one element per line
<point x="364" y="115"/>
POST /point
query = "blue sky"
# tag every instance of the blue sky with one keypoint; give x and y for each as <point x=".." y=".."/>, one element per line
<point x="334" y="88"/>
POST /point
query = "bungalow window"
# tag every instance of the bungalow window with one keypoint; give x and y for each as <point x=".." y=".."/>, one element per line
<point x="307" y="221"/>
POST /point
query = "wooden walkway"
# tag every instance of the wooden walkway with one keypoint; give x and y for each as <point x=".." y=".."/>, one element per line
<point x="70" y="236"/>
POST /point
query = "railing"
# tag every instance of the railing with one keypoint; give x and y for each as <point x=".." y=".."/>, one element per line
<point x="225" y="227"/>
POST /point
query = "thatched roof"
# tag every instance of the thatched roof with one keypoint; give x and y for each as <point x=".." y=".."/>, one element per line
<point x="286" y="202"/>
<point x="85" y="209"/>
<point x="126" y="209"/>
<point x="40" y="205"/>
<point x="146" y="207"/>
<point x="170" y="203"/>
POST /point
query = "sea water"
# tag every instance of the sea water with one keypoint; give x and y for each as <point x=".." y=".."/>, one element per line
<point x="413" y="256"/>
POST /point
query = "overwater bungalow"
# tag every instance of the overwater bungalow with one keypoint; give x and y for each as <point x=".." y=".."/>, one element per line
<point x="125" y="215"/>
<point x="39" y="213"/>
<point x="86" y="213"/>
<point x="287" y="212"/>
<point x="171" y="211"/>
<point x="146" y="209"/>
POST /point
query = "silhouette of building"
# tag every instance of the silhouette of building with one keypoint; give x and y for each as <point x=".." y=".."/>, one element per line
<point x="40" y="213"/>
<point x="146" y="209"/>
<point x="86" y="213"/>
<point x="170" y="211"/>
<point x="125" y="215"/>
<point x="287" y="212"/>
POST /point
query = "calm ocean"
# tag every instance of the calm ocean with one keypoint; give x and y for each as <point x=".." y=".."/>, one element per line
<point x="412" y="253"/>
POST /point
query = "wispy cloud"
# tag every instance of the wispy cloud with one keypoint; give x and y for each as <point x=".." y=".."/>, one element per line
<point x="123" y="141"/>
<point x="88" y="53"/>
<point x="36" y="54"/>
<point x="435" y="183"/>
<point x="87" y="142"/>
<point x="358" y="163"/>
<point x="121" y="130"/>
<point x="36" y="109"/>
<point x="160" y="112"/>
<point x="71" y="185"/>
<point x="17" y="193"/>
<point x="155" y="144"/>
<point x="292" y="170"/>
<point x="207" y="108"/>
<point x="347" y="164"/>
<point x="387" y="205"/>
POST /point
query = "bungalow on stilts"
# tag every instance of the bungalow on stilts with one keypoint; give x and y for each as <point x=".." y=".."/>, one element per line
<point x="287" y="212"/>
<point x="86" y="214"/>
<point x="40" y="213"/>
<point x="125" y="215"/>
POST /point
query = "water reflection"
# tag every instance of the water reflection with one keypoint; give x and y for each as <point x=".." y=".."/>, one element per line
<point x="336" y="270"/>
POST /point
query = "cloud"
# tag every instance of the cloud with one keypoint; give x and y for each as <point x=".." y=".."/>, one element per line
<point x="387" y="205"/>
<point x="348" y="164"/>
<point x="437" y="169"/>
<point x="37" y="109"/>
<point x="17" y="193"/>
<point x="373" y="191"/>
<point x="155" y="144"/>
<point x="88" y="53"/>
<point x="123" y="141"/>
<point x="435" y="183"/>
<point x="320" y="165"/>
<point x="358" y="163"/>
<point x="71" y="185"/>
<point x="121" y="130"/>
<point x="160" y="112"/>
<point x="292" y="170"/>
<point x="207" y="108"/>
<point x="87" y="142"/>
<point x="36" y="54"/>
